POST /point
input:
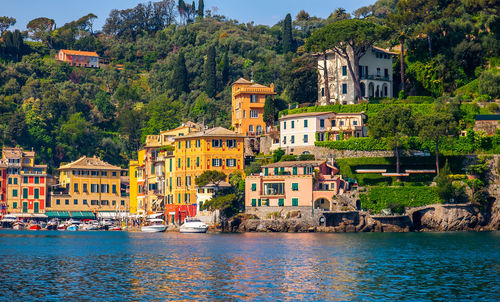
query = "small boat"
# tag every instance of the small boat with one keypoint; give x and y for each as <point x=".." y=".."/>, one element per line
<point x="8" y="221"/>
<point x="154" y="225"/>
<point x="115" y="228"/>
<point x="73" y="227"/>
<point x="193" y="225"/>
<point x="34" y="226"/>
<point x="90" y="225"/>
<point x="18" y="225"/>
<point x="52" y="225"/>
<point x="62" y="227"/>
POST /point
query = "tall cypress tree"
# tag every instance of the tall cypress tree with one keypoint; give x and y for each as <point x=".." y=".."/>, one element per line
<point x="287" y="34"/>
<point x="269" y="111"/>
<point x="180" y="80"/>
<point x="210" y="73"/>
<point x="224" y="67"/>
<point x="201" y="8"/>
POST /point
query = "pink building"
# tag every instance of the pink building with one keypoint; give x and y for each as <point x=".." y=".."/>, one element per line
<point x="294" y="184"/>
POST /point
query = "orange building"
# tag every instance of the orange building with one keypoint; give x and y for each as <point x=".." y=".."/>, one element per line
<point x="248" y="100"/>
<point x="79" y="58"/>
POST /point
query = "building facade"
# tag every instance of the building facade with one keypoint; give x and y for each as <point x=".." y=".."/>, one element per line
<point x="247" y="112"/>
<point x="213" y="149"/>
<point x="299" y="132"/>
<point x="89" y="186"/>
<point x="307" y="185"/>
<point x="375" y="72"/>
<point x="26" y="187"/>
<point x="78" y="58"/>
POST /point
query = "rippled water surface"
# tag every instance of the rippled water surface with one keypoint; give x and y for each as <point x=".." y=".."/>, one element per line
<point x="117" y="266"/>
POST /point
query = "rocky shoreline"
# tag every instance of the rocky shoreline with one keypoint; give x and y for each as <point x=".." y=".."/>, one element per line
<point x="431" y="218"/>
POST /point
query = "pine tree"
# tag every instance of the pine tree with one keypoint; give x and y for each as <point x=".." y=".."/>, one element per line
<point x="180" y="80"/>
<point x="287" y="34"/>
<point x="210" y="73"/>
<point x="269" y="111"/>
<point x="201" y="7"/>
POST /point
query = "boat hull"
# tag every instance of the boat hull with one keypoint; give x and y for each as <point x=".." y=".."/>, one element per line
<point x="72" y="228"/>
<point x="35" y="227"/>
<point x="154" y="228"/>
<point x="193" y="229"/>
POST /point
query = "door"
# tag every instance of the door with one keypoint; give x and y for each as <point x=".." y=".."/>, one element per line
<point x="36" y="207"/>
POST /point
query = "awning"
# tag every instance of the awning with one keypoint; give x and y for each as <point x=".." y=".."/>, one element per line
<point x="83" y="215"/>
<point x="156" y="215"/>
<point x="112" y="215"/>
<point x="58" y="214"/>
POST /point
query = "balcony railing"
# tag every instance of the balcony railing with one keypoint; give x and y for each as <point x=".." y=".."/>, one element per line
<point x="374" y="77"/>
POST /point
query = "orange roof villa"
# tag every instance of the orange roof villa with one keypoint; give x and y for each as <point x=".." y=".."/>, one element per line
<point x="79" y="58"/>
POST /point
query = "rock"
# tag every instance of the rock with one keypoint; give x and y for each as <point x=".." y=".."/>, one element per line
<point x="448" y="218"/>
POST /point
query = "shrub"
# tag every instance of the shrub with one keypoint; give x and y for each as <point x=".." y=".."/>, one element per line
<point x="396" y="198"/>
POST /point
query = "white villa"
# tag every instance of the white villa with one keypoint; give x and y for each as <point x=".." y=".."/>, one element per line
<point x="375" y="70"/>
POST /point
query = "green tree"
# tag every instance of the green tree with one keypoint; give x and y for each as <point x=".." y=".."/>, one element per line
<point x="350" y="39"/>
<point x="201" y="9"/>
<point x="444" y="185"/>
<point x="5" y="23"/>
<point x="210" y="177"/>
<point x="180" y="78"/>
<point x="224" y="69"/>
<point x="436" y="127"/>
<point x="287" y="35"/>
<point x="163" y="115"/>
<point x="254" y="168"/>
<point x="392" y="122"/>
<point x="278" y="154"/>
<point x="210" y="73"/>
<point x="269" y="111"/>
<point x="40" y="29"/>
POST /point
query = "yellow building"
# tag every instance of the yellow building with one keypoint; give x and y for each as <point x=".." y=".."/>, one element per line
<point x="146" y="181"/>
<point x="213" y="149"/>
<point x="248" y="101"/>
<point x="89" y="185"/>
<point x="133" y="167"/>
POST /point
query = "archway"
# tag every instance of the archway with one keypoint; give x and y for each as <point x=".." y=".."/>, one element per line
<point x="377" y="92"/>
<point x="385" y="90"/>
<point x="322" y="204"/>
<point x="362" y="85"/>
<point x="371" y="90"/>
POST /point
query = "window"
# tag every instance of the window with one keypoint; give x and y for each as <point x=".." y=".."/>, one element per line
<point x="179" y="181"/>
<point x="292" y="139"/>
<point x="216" y="162"/>
<point x="58" y="201"/>
<point x="113" y="203"/>
<point x="14" y="205"/>
<point x="37" y="180"/>
<point x="254" y="114"/>
<point x="188" y="163"/>
<point x="322" y="91"/>
<point x="198" y="143"/>
<point x="354" y="123"/>
<point x="15" y="181"/>
<point x="94" y="202"/>
<point x="216" y="143"/>
<point x="178" y="163"/>
<point x="85" y="188"/>
<point x="295" y="202"/>
<point x="36" y="194"/>
<point x="93" y="188"/>
<point x="284" y="140"/>
<point x="293" y="124"/>
<point x="94" y="173"/>
<point x="66" y="201"/>
<point x="25" y="192"/>
<point x="122" y="202"/>
<point x="188" y="180"/>
<point x="254" y="187"/>
<point x="295" y="186"/>
<point x="180" y="145"/>
<point x="378" y="72"/>
<point x="344" y="70"/>
<point x="253" y="98"/>
<point x="85" y="201"/>
<point x="305" y="123"/>
<point x="14" y="193"/>
<point x="114" y="189"/>
<point x="306" y="138"/>
<point x="308" y="170"/>
<point x="25" y="179"/>
<point x="10" y="181"/>
<point x="152" y="169"/>
<point x="75" y="201"/>
<point x="342" y="123"/>
<point x="244" y="114"/>
<point x="344" y="88"/>
<point x="321" y="136"/>
<point x="104" y="173"/>
<point x="386" y="72"/>
<point x="75" y="188"/>
<point x="322" y="123"/>
<point x="284" y="125"/>
<point x="231" y="143"/>
<point x="197" y="162"/>
<point x="250" y="128"/>
<point x="254" y="202"/>
<point x="276" y="171"/>
<point x="231" y="162"/>
<point x="114" y="174"/>
<point x="281" y="202"/>
<point x="266" y="171"/>
<point x="277" y="188"/>
<point x="294" y="170"/>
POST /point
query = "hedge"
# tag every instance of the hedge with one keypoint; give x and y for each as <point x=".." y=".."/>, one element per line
<point x="379" y="198"/>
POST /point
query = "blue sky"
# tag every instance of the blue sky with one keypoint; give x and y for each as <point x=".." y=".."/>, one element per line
<point x="266" y="12"/>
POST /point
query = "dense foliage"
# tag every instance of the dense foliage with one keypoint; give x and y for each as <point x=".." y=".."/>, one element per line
<point x="397" y="198"/>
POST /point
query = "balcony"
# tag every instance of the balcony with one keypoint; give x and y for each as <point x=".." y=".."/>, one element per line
<point x="374" y="77"/>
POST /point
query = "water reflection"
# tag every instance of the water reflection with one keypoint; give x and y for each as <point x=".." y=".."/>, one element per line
<point x="108" y="266"/>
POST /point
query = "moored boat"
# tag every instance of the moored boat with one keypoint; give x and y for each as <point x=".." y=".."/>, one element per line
<point x="18" y="225"/>
<point x="34" y="226"/>
<point x="52" y="225"/>
<point x="154" y="225"/>
<point x="73" y="227"/>
<point x="193" y="225"/>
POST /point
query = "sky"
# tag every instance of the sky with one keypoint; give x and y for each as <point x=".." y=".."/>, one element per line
<point x="267" y="12"/>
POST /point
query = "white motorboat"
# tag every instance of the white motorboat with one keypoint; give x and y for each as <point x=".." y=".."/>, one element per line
<point x="154" y="225"/>
<point x="193" y="225"/>
<point x="90" y="225"/>
<point x="9" y="219"/>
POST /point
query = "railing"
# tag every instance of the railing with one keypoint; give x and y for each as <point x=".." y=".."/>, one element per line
<point x="374" y="77"/>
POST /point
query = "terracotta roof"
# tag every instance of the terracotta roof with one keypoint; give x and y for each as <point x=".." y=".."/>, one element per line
<point x="14" y="152"/>
<point x="242" y="81"/>
<point x="255" y="85"/>
<point x="80" y="53"/>
<point x="280" y="164"/>
<point x="89" y="163"/>
<point x="384" y="50"/>
<point x="217" y="131"/>
<point x="304" y="114"/>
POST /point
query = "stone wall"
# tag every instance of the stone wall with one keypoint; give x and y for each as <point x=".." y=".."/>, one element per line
<point x="285" y="212"/>
<point x="327" y="153"/>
